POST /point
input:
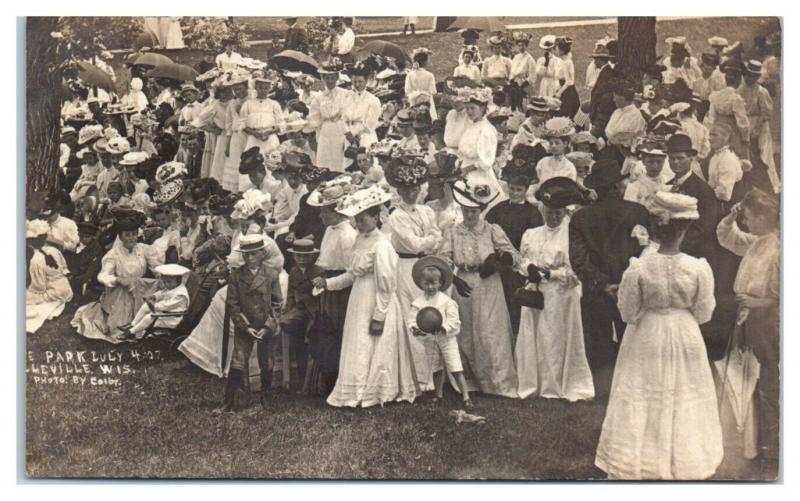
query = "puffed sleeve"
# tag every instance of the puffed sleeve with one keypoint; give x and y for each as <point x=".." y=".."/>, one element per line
<point x="629" y="295"/>
<point x="704" y="301"/>
<point x="733" y="238"/>
<point x="314" y="113"/>
<point x="71" y="238"/>
<point x="107" y="275"/>
<point x="487" y="146"/>
<point x="500" y="242"/>
<point x="385" y="278"/>
<point x="452" y="322"/>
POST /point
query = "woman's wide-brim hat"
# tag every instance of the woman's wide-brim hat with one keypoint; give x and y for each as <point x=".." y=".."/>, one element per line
<point x="118" y="146"/>
<point x="435" y="262"/>
<point x="495" y="40"/>
<point x="134" y="158"/>
<point x="303" y="246"/>
<point x="250" y="243"/>
<point x="559" y="192"/>
<point x="547" y="42"/>
<point x="168" y="192"/>
<point x="475" y="190"/>
<point x="90" y="133"/>
<point x="128" y="219"/>
<point x="406" y="172"/>
<point x="605" y="172"/>
<point x="331" y="66"/>
<point x="666" y="206"/>
<point x="363" y="199"/>
<point x="558" y="127"/>
<point x="680" y="143"/>
<point x="331" y="192"/>
<point x="718" y="42"/>
<point x="580" y="159"/>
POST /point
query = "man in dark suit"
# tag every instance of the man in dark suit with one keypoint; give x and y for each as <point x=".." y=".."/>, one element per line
<point x="254" y="294"/>
<point x="296" y="38"/>
<point x="701" y="238"/>
<point x="602" y="97"/>
<point x="600" y="246"/>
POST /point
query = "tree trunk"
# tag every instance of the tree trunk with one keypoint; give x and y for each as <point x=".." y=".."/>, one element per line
<point x="43" y="106"/>
<point x="637" y="46"/>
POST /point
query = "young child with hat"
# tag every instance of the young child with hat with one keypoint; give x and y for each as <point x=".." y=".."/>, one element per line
<point x="557" y="131"/>
<point x="301" y="304"/>
<point x="433" y="276"/>
<point x="163" y="309"/>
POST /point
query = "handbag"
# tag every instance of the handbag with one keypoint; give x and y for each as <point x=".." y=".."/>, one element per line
<point x="526" y="297"/>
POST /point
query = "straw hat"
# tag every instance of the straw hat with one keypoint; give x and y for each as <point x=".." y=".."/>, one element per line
<point x="363" y="199"/>
<point x="666" y="206"/>
<point x="475" y="190"/>
<point x="332" y="192"/>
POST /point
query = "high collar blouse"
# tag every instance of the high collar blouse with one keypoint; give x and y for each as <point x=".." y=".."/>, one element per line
<point x="467" y="248"/>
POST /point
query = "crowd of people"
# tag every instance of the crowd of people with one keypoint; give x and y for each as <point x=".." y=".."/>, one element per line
<point x="376" y="231"/>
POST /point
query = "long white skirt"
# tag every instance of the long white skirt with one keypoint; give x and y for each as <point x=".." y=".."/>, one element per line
<point x="265" y="147"/>
<point x="662" y="420"/>
<point x="550" y="354"/>
<point x="485" y="338"/>
<point x="373" y="369"/>
<point x="331" y="145"/>
<point x="230" y="175"/>
<point x="219" y="159"/>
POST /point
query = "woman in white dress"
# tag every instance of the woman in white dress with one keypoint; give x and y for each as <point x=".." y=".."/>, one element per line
<point x="326" y="115"/>
<point x="376" y="363"/>
<point x="223" y="96"/>
<point x="420" y="83"/>
<point x="550" y="355"/>
<point x="456" y="123"/>
<point x="48" y="288"/>
<point x="547" y="67"/>
<point x="478" y="250"/>
<point x="263" y="118"/>
<point x="477" y="147"/>
<point x="363" y="110"/>
<point x="171" y="30"/>
<point x="565" y="78"/>
<point x="414" y="234"/>
<point x="557" y="131"/>
<point x="662" y="420"/>
<point x="237" y="138"/>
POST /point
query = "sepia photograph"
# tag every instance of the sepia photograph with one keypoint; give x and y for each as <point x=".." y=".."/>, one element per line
<point x="402" y="248"/>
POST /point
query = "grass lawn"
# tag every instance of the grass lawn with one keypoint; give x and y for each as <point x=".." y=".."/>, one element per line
<point x="158" y="424"/>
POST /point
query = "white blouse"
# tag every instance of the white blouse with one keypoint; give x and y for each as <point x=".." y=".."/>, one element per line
<point x="414" y="229"/>
<point x="478" y="144"/>
<point x="262" y="114"/>
<point x="551" y="166"/>
<point x="336" y="249"/>
<point x="373" y="254"/>
<point x="455" y="124"/>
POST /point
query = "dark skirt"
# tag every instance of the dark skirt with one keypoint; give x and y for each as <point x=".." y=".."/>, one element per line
<point x="325" y="333"/>
<point x="570" y="103"/>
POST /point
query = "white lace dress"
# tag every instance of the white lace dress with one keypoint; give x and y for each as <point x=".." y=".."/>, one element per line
<point x="373" y="369"/>
<point x="662" y="421"/>
<point x="550" y="354"/>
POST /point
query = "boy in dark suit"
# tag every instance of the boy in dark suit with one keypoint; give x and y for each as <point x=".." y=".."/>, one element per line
<point x="254" y="294"/>
<point x="301" y="304"/>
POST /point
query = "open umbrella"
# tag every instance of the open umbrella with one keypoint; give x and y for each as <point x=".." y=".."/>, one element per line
<point x="292" y="60"/>
<point x="179" y="72"/>
<point x="92" y="76"/>
<point x="490" y="24"/>
<point x="386" y="49"/>
<point x="150" y="59"/>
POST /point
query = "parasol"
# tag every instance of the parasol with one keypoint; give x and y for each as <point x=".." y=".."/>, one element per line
<point x="293" y="60"/>
<point x="490" y="24"/>
<point x="179" y="72"/>
<point x="739" y="372"/>
<point x="92" y="76"/>
<point x="151" y="59"/>
<point x="386" y="49"/>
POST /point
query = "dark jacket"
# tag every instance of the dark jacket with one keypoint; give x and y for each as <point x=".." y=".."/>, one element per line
<point x="253" y="296"/>
<point x="701" y="238"/>
<point x="296" y="39"/>
<point x="600" y="241"/>
<point x="299" y="295"/>
<point x="602" y="98"/>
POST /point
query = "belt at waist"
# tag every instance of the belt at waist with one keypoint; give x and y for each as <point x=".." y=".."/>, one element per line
<point x="332" y="273"/>
<point x="405" y="255"/>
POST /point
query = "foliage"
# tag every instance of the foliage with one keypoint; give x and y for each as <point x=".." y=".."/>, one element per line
<point x="90" y="35"/>
<point x="205" y="33"/>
